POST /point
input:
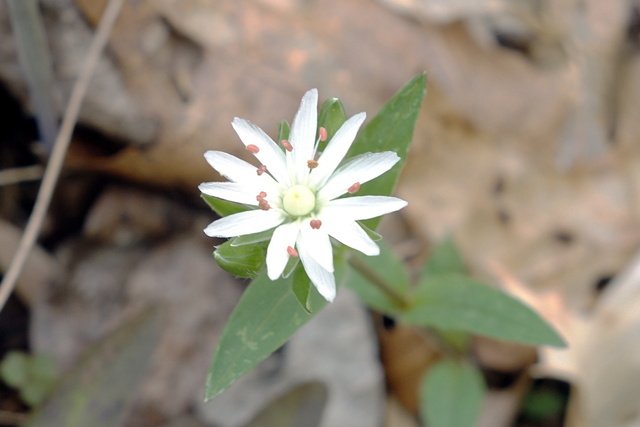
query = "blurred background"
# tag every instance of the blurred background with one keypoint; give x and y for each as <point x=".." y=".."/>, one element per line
<point x="526" y="152"/>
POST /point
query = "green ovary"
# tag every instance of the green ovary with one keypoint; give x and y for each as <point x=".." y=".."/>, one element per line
<point x="298" y="201"/>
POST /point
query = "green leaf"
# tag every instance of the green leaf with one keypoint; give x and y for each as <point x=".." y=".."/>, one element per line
<point x="444" y="259"/>
<point x="265" y="318"/>
<point x="301" y="288"/>
<point x="223" y="207"/>
<point x="331" y="117"/>
<point x="15" y="369"/>
<point x="457" y="303"/>
<point x="389" y="268"/>
<point x="242" y="261"/>
<point x="42" y="367"/>
<point x="34" y="393"/>
<point x="283" y="131"/>
<point x="390" y="130"/>
<point x="451" y="394"/>
<point x="97" y="392"/>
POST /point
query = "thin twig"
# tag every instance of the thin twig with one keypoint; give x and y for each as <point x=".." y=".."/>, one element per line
<point x="59" y="152"/>
<point x="18" y="175"/>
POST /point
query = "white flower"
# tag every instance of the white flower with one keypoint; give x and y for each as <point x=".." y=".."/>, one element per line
<point x="297" y="193"/>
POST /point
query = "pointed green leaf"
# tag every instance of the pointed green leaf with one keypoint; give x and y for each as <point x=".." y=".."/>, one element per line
<point x="457" y="303"/>
<point x="389" y="268"/>
<point x="242" y="261"/>
<point x="331" y="117"/>
<point x="444" y="259"/>
<point x="390" y="130"/>
<point x="264" y="319"/>
<point x="223" y="207"/>
<point x="451" y="394"/>
<point x="301" y="287"/>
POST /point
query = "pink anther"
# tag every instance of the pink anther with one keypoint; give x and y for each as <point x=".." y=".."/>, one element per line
<point x="264" y="205"/>
<point x="315" y="224"/>
<point x="262" y="169"/>
<point x="322" y="134"/>
<point x="354" y="188"/>
<point x="253" y="148"/>
<point x="292" y="252"/>
<point x="287" y="145"/>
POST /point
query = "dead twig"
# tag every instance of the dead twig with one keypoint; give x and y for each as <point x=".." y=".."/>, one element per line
<point x="18" y="175"/>
<point x="59" y="152"/>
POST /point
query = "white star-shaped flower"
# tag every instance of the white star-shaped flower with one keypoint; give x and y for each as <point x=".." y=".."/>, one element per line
<point x="296" y="192"/>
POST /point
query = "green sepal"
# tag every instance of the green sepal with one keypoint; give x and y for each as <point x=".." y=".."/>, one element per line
<point x="331" y="117"/>
<point x="291" y="266"/>
<point x="374" y="235"/>
<point x="242" y="261"/>
<point x="301" y="287"/>
<point x="223" y="207"/>
<point x="283" y="131"/>
<point x="250" y="239"/>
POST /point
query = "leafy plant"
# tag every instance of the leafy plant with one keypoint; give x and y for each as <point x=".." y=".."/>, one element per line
<point x="445" y="300"/>
<point x="32" y="375"/>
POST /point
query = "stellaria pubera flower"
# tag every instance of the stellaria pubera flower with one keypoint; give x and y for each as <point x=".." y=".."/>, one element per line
<point x="296" y="192"/>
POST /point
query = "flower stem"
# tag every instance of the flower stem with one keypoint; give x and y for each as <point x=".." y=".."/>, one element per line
<point x="398" y="299"/>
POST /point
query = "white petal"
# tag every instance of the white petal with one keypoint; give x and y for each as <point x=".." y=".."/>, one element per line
<point x="337" y="149"/>
<point x="235" y="169"/>
<point x="360" y="169"/>
<point x="351" y="234"/>
<point x="303" y="134"/>
<point x="277" y="255"/>
<point x="234" y="192"/>
<point x="245" y="223"/>
<point x="363" y="207"/>
<point x="269" y="153"/>
<point x="317" y="244"/>
<point x="322" y="279"/>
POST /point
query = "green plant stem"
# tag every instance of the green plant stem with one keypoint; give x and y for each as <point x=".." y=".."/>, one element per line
<point x="399" y="299"/>
<point x="402" y="302"/>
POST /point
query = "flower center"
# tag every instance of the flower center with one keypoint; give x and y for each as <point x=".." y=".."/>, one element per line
<point x="299" y="200"/>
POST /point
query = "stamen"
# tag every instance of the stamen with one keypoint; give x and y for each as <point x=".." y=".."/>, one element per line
<point x="312" y="164"/>
<point x="287" y="145"/>
<point x="253" y="148"/>
<point x="260" y="197"/>
<point x="322" y="134"/>
<point x="315" y="224"/>
<point x="354" y="188"/>
<point x="292" y="252"/>
<point x="264" y="205"/>
<point x="262" y="169"/>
